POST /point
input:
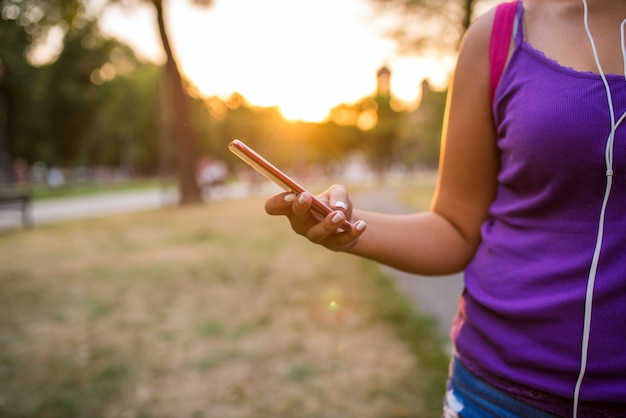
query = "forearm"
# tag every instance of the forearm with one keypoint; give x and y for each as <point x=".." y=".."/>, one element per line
<point x="422" y="243"/>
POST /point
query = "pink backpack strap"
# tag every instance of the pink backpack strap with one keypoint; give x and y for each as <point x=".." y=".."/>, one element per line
<point x="500" y="42"/>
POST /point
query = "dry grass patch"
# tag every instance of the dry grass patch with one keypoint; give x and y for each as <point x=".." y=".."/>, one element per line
<point x="212" y="311"/>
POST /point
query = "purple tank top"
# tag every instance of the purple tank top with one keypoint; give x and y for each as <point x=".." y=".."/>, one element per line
<point x="520" y="320"/>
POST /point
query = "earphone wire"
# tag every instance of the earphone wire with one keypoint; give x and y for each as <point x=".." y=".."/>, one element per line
<point x="609" y="181"/>
<point x="623" y="44"/>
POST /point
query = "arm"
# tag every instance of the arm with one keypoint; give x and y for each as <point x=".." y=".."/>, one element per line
<point x="444" y="239"/>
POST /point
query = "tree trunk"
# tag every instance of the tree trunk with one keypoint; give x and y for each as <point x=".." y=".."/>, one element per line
<point x="468" y="9"/>
<point x="6" y="159"/>
<point x="181" y="127"/>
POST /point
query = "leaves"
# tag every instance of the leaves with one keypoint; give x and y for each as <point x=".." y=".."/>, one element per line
<point x="427" y="26"/>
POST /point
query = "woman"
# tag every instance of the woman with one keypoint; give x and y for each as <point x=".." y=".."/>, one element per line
<point x="531" y="204"/>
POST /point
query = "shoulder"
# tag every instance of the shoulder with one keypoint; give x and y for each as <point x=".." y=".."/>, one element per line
<point x="478" y="35"/>
<point x="473" y="55"/>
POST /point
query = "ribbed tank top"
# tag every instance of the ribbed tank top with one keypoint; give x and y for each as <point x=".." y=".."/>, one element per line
<point x="520" y="320"/>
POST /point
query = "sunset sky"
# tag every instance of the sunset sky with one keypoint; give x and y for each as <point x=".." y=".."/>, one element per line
<point x="305" y="56"/>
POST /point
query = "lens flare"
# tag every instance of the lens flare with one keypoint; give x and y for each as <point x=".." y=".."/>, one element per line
<point x="333" y="305"/>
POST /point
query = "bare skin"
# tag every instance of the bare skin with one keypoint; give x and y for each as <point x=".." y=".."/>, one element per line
<point x="444" y="239"/>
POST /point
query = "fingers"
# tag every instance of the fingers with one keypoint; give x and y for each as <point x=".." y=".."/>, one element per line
<point x="338" y="198"/>
<point x="280" y="204"/>
<point x="327" y="230"/>
<point x="322" y="230"/>
<point x="329" y="234"/>
<point x="302" y="217"/>
<point x="297" y="208"/>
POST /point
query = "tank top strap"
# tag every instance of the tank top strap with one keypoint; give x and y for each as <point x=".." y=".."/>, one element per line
<point x="518" y="25"/>
<point x="503" y="30"/>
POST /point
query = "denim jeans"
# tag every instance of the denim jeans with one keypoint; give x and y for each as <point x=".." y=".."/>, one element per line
<point x="467" y="396"/>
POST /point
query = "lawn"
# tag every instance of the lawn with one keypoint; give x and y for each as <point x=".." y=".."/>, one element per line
<point x="42" y="191"/>
<point x="210" y="311"/>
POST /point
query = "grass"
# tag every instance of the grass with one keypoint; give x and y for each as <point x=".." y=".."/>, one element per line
<point x="417" y="194"/>
<point x="210" y="311"/>
<point x="45" y="192"/>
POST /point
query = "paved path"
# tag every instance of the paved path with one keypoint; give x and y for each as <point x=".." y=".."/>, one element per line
<point x="435" y="296"/>
<point x="102" y="204"/>
<point x="110" y="203"/>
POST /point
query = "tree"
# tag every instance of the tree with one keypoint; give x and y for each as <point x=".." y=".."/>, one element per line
<point x="175" y="95"/>
<point x="124" y="131"/>
<point x="429" y="26"/>
<point x="14" y="75"/>
<point x="92" y="103"/>
<point x="24" y="23"/>
<point x="186" y="148"/>
<point x="75" y="91"/>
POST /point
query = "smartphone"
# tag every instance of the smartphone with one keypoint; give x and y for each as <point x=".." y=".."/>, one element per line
<point x="264" y="167"/>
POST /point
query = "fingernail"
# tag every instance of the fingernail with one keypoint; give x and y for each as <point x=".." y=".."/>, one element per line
<point x="360" y="225"/>
<point x="338" y="217"/>
<point x="341" y="204"/>
<point x="301" y="199"/>
<point x="290" y="197"/>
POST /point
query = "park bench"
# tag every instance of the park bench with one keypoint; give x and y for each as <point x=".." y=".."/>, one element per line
<point x="17" y="198"/>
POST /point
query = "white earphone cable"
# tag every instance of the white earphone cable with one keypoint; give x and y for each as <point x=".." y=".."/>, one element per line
<point x="623" y="44"/>
<point x="609" y="181"/>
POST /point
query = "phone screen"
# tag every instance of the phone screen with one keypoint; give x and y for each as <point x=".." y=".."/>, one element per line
<point x="260" y="164"/>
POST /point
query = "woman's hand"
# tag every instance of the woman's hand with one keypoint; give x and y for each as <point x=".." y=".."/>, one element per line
<point x="324" y="231"/>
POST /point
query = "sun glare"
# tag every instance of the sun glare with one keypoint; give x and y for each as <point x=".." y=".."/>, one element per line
<point x="304" y="105"/>
<point x="276" y="53"/>
<point x="303" y="111"/>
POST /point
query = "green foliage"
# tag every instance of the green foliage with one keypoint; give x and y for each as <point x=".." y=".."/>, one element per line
<point x="424" y="131"/>
<point x="124" y="132"/>
<point x="421" y="335"/>
<point x="36" y="17"/>
<point x="428" y="26"/>
<point x="16" y="91"/>
<point x="97" y="105"/>
<point x="73" y="99"/>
